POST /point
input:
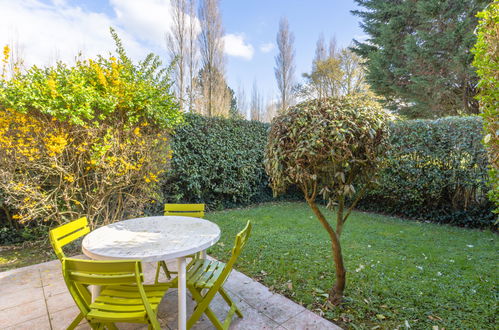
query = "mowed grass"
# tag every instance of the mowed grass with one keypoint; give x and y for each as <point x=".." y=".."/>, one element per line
<point x="400" y="273"/>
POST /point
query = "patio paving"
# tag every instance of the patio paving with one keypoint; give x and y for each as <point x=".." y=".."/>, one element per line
<point x="36" y="297"/>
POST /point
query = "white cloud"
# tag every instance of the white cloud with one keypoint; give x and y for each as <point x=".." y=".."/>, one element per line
<point x="235" y="46"/>
<point x="147" y="20"/>
<point x="45" y="32"/>
<point x="268" y="47"/>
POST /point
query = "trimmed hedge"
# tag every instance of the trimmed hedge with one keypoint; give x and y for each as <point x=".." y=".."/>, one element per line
<point x="436" y="170"/>
<point x="219" y="162"/>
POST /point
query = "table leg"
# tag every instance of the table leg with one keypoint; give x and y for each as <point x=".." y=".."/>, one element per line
<point x="182" y="294"/>
<point x="203" y="254"/>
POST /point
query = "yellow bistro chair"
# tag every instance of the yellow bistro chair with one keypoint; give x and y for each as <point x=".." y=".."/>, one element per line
<point x="209" y="276"/>
<point x="63" y="235"/>
<point x="123" y="298"/>
<point x="185" y="210"/>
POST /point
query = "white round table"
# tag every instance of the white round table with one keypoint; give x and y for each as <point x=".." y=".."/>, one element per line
<point x="154" y="239"/>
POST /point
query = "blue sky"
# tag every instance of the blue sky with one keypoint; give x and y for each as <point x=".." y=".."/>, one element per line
<point x="47" y="30"/>
<point x="259" y="20"/>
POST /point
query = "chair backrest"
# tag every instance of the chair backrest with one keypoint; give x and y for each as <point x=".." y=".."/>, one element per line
<point x="66" y="234"/>
<point x="186" y="210"/>
<point x="79" y="274"/>
<point x="240" y="242"/>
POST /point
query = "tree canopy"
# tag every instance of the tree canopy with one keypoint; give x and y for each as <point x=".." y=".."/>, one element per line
<point x="418" y="54"/>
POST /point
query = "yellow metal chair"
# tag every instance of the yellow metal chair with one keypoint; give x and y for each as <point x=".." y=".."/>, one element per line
<point x="210" y="275"/>
<point x="185" y="210"/>
<point x="63" y="235"/>
<point x="123" y="298"/>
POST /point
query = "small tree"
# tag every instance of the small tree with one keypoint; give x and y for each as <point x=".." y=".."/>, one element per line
<point x="330" y="148"/>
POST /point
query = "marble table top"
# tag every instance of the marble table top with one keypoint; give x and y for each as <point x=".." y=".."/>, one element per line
<point x="151" y="238"/>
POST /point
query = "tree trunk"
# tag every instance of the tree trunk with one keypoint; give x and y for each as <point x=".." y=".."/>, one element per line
<point x="336" y="292"/>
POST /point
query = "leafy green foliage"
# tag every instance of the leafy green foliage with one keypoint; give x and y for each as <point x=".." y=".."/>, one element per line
<point x="435" y="170"/>
<point x="330" y="147"/>
<point x="9" y="235"/>
<point x="218" y="161"/>
<point x="426" y="274"/>
<point x="89" y="139"/>
<point x="96" y="91"/>
<point x="418" y="54"/>
<point x="487" y="63"/>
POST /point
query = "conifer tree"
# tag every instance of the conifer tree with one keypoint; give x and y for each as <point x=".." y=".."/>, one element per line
<point x="418" y="54"/>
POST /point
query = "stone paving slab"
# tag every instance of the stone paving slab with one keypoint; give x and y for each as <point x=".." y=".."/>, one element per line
<point x="36" y="297"/>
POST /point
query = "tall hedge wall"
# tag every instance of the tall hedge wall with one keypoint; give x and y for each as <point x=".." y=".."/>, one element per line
<point x="435" y="170"/>
<point x="219" y="162"/>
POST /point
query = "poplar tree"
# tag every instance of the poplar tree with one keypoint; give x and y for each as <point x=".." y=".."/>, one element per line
<point x="285" y="63"/>
<point x="215" y="97"/>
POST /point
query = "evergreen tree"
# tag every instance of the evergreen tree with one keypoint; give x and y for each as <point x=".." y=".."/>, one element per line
<point x="234" y="111"/>
<point x="418" y="54"/>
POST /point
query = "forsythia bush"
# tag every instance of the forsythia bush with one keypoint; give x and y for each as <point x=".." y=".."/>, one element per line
<point x="84" y="140"/>
<point x="487" y="63"/>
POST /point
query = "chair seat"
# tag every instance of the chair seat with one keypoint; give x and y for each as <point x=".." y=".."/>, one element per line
<point x="122" y="303"/>
<point x="203" y="273"/>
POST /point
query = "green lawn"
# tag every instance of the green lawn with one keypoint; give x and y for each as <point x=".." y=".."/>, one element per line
<point x="399" y="272"/>
<point x="20" y="255"/>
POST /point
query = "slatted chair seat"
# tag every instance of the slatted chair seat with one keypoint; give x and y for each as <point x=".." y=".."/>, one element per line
<point x="203" y="273"/>
<point x="123" y="298"/>
<point x="124" y="304"/>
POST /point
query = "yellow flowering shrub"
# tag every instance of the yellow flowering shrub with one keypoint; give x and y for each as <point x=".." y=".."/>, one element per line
<point x="87" y="140"/>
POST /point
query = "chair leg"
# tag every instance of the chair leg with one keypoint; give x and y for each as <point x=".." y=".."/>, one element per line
<point x="162" y="264"/>
<point x="203" y="306"/>
<point x="96" y="326"/>
<point x="166" y="270"/>
<point x="76" y="321"/>
<point x="111" y="326"/>
<point x="156" y="278"/>
<point x="229" y="301"/>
